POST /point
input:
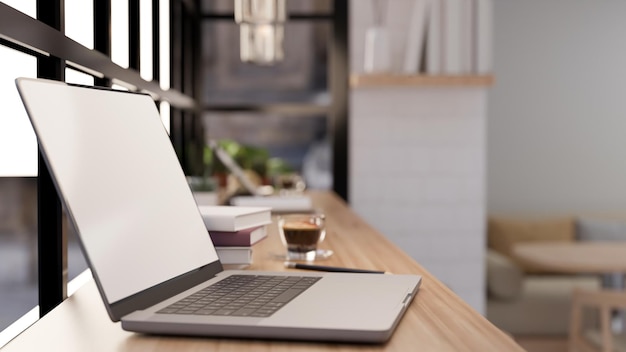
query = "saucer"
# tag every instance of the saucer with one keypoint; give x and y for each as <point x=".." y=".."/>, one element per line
<point x="320" y="254"/>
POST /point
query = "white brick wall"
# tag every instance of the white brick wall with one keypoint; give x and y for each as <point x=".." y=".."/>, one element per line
<point x="417" y="174"/>
<point x="417" y="163"/>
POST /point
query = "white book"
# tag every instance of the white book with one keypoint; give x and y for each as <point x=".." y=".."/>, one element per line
<point x="416" y="37"/>
<point x="452" y="19"/>
<point x="377" y="51"/>
<point x="467" y="36"/>
<point x="230" y="218"/>
<point x="234" y="255"/>
<point x="434" y="38"/>
<point x="483" y="61"/>
<point x="278" y="204"/>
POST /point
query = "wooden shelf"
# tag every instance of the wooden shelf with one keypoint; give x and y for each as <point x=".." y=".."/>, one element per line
<point x="387" y="80"/>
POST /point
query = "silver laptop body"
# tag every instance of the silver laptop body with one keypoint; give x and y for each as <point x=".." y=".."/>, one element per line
<point x="143" y="237"/>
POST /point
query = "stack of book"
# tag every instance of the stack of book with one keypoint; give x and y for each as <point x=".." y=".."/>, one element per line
<point x="234" y="230"/>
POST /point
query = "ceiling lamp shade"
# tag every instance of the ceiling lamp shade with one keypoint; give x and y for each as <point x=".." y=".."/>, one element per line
<point x="262" y="31"/>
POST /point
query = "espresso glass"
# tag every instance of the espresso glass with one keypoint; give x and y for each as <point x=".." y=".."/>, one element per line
<point x="301" y="233"/>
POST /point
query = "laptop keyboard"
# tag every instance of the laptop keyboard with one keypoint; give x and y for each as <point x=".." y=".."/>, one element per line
<point x="243" y="296"/>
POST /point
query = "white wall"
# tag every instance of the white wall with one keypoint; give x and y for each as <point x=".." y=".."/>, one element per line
<point x="557" y="114"/>
<point x="417" y="173"/>
<point x="417" y="165"/>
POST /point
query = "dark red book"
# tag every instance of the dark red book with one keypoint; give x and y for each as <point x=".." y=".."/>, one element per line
<point x="245" y="237"/>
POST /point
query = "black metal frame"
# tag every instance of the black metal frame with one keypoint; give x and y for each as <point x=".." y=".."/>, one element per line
<point x="51" y="240"/>
<point x="102" y="34"/>
<point x="339" y="86"/>
<point x="156" y="43"/>
<point x="134" y="51"/>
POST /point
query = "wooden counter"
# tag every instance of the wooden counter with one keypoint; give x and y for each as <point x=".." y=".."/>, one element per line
<point x="437" y="320"/>
<point x="398" y="80"/>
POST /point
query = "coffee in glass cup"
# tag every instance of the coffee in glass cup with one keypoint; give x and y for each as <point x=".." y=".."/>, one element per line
<point x="301" y="233"/>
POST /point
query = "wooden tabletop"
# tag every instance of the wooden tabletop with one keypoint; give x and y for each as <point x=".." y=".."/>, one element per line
<point x="574" y="257"/>
<point x="437" y="320"/>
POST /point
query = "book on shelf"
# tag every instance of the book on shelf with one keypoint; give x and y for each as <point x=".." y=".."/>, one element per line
<point x="434" y="36"/>
<point x="452" y="30"/>
<point x="466" y="51"/>
<point x="458" y="37"/>
<point x="234" y="218"/>
<point x="416" y="37"/>
<point x="278" y="203"/>
<point x="483" y="23"/>
<point x="245" y="237"/>
<point x="234" y="255"/>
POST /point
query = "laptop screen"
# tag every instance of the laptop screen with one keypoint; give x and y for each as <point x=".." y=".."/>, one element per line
<point x="121" y="182"/>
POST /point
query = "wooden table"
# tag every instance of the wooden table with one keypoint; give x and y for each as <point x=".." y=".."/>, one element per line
<point x="437" y="320"/>
<point x="607" y="259"/>
<point x="574" y="257"/>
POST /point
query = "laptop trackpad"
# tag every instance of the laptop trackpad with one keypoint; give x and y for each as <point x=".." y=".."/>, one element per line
<point x="347" y="301"/>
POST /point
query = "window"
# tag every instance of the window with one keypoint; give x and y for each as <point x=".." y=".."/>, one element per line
<point x="77" y="77"/>
<point x="79" y="21"/>
<point x="145" y="39"/>
<point x="28" y="7"/>
<point x="18" y="144"/>
<point x="164" y="44"/>
<point x="119" y="32"/>
<point x="18" y="152"/>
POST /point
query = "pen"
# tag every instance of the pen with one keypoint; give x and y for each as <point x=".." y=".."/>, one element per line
<point x="330" y="268"/>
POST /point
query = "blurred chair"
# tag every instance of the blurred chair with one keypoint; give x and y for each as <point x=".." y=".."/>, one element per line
<point x="582" y="339"/>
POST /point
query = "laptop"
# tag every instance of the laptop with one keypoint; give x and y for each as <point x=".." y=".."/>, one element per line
<point x="149" y="251"/>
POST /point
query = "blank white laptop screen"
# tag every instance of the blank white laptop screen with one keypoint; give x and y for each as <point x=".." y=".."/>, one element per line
<point x="143" y="230"/>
